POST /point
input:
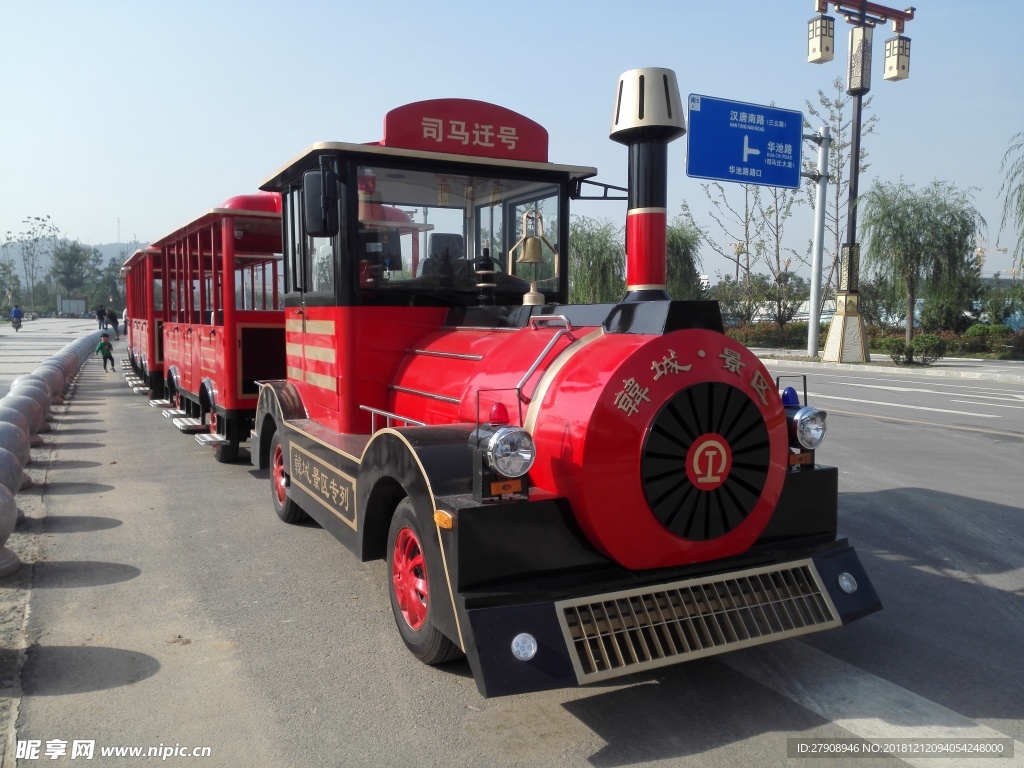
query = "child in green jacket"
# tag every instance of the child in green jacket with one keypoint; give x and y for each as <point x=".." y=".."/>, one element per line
<point x="106" y="349"/>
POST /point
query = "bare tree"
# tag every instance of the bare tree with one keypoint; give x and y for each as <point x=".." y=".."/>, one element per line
<point x="741" y="226"/>
<point x="37" y="241"/>
<point x="833" y="112"/>
<point x="774" y="207"/>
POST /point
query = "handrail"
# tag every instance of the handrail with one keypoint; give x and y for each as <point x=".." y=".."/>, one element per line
<point x="388" y="418"/>
<point x="566" y="331"/>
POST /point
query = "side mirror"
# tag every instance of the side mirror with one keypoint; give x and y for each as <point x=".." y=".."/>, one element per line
<point x="320" y="199"/>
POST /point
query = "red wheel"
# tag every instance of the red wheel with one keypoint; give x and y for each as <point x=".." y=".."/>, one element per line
<point x="409" y="578"/>
<point x="285" y="508"/>
<point x="411" y="569"/>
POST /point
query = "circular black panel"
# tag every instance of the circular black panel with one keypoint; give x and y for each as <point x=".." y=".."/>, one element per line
<point x="684" y="509"/>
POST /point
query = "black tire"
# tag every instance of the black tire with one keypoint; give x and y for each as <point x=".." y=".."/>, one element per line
<point x="225" y="453"/>
<point x="410" y="576"/>
<point x="285" y="508"/>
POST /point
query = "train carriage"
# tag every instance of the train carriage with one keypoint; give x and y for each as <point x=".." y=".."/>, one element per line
<point x="143" y="275"/>
<point x="223" y="320"/>
<point x="563" y="493"/>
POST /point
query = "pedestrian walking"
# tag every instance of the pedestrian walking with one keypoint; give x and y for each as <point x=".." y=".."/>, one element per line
<point x="112" y="322"/>
<point x="101" y="317"/>
<point x="106" y="349"/>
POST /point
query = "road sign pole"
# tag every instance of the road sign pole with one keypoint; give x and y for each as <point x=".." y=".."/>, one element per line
<point x="823" y="138"/>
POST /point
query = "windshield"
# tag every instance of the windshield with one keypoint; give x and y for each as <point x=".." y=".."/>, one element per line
<point x="430" y="231"/>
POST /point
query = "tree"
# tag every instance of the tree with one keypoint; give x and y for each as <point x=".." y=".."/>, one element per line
<point x="788" y="290"/>
<point x="1000" y="301"/>
<point x="682" y="246"/>
<point x="1012" y="190"/>
<point x="951" y="294"/>
<point x="918" y="237"/>
<point x="740" y="224"/>
<point x="10" y="283"/>
<point x="597" y="261"/>
<point x="74" y="266"/>
<point x="879" y="303"/>
<point x="37" y="241"/>
<point x="108" y="286"/>
<point x="741" y="301"/>
<point x="832" y="112"/>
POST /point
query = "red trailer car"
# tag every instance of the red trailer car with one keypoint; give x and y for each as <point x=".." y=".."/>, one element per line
<point x="143" y="275"/>
<point x="223" y="327"/>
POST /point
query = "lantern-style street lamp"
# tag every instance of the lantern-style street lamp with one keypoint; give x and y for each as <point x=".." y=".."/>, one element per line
<point x="846" y="342"/>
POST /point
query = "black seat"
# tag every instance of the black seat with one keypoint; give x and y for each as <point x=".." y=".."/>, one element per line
<point x="447" y="251"/>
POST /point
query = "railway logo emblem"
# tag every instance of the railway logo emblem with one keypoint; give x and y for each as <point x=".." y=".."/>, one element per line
<point x="708" y="462"/>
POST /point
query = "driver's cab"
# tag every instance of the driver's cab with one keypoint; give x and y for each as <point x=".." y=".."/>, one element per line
<point x="399" y="231"/>
<point x="456" y="206"/>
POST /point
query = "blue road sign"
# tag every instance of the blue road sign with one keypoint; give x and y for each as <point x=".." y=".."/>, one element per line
<point x="748" y="143"/>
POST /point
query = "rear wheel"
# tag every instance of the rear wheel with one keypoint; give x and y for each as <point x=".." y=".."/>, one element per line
<point x="285" y="508"/>
<point x="223" y="452"/>
<point x="409" y="588"/>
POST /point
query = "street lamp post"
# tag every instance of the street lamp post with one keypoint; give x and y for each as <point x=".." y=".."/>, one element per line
<point x="846" y="342"/>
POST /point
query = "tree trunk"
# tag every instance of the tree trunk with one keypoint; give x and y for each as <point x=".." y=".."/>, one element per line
<point x="911" y="306"/>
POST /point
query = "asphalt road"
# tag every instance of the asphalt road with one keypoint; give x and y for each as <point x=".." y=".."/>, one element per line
<point x="168" y="606"/>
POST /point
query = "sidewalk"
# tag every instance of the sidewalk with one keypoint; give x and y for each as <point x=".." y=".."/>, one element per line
<point x="1010" y="371"/>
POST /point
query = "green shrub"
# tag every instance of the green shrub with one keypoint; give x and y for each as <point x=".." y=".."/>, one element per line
<point x="896" y="348"/>
<point x="978" y="329"/>
<point x="999" y="330"/>
<point x="928" y="348"/>
<point x="793" y="336"/>
<point x="1017" y="346"/>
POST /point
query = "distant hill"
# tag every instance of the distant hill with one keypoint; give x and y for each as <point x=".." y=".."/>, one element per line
<point x="107" y="250"/>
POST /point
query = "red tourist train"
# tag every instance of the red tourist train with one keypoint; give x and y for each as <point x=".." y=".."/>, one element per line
<point x="563" y="493"/>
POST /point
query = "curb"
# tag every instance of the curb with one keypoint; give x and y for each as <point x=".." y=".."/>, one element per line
<point x="922" y="372"/>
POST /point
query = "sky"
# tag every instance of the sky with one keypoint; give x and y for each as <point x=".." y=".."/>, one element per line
<point x="125" y="120"/>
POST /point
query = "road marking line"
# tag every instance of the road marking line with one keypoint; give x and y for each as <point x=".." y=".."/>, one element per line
<point x="864" y="704"/>
<point x="988" y="405"/>
<point x="890" y="388"/>
<point x="903" y="405"/>
<point x="883" y="417"/>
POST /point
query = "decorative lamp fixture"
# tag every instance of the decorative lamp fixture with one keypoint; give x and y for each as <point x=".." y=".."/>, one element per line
<point x="858" y="77"/>
<point x="821" y="39"/>
<point x="897" y="58"/>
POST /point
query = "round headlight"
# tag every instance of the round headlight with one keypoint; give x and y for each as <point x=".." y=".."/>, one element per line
<point x="809" y="424"/>
<point x="510" y="451"/>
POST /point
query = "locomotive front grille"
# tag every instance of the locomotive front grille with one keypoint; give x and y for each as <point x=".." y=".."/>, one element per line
<point x="621" y="633"/>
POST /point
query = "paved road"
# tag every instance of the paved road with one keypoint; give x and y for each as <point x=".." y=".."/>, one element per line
<point x="169" y="606"/>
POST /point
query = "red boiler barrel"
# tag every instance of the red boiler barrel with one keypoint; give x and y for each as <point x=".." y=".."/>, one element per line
<point x="671" y="449"/>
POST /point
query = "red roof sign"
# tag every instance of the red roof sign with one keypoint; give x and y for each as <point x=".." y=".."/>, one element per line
<point x="465" y="127"/>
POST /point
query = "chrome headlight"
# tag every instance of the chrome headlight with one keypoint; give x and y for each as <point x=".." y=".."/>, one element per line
<point x="807" y="427"/>
<point x="510" y="451"/>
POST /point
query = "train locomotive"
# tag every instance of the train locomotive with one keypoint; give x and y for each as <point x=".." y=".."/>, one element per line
<point x="563" y="493"/>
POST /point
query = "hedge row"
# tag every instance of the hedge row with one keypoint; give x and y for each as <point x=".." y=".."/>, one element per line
<point x="978" y="339"/>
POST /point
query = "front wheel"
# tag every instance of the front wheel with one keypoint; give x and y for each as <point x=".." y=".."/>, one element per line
<point x="285" y="508"/>
<point x="411" y="577"/>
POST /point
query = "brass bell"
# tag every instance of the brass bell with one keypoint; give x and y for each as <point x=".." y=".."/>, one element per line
<point x="531" y="252"/>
